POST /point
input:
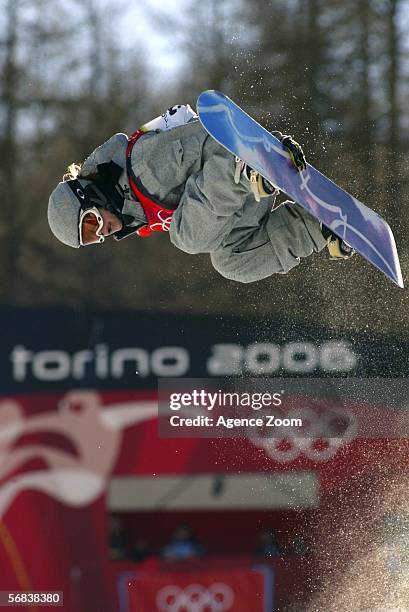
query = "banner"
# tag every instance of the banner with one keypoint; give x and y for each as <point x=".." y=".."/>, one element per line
<point x="57" y="349"/>
<point x="59" y="453"/>
<point x="78" y="412"/>
<point x="238" y="590"/>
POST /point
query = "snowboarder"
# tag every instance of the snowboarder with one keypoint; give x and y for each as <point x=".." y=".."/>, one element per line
<point x="172" y="176"/>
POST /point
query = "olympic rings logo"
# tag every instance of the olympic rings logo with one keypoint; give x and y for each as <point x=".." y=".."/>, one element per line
<point x="314" y="441"/>
<point x="164" y="222"/>
<point x="218" y="597"/>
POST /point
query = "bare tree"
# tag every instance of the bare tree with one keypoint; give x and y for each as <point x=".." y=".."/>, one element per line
<point x="9" y="154"/>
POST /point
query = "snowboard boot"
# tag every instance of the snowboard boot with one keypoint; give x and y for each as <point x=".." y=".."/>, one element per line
<point x="260" y="187"/>
<point x="338" y="248"/>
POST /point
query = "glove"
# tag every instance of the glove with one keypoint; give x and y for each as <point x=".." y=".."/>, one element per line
<point x="296" y="153"/>
<point x="294" y="150"/>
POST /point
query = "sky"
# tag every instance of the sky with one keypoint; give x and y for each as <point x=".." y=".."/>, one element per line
<point x="139" y="21"/>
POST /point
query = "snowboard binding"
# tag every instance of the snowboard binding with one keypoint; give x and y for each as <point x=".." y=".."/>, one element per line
<point x="260" y="187"/>
<point x="338" y="248"/>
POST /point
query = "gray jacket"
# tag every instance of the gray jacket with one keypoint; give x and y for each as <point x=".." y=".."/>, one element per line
<point x="188" y="170"/>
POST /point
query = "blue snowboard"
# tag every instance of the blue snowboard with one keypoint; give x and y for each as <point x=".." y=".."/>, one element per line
<point x="351" y="220"/>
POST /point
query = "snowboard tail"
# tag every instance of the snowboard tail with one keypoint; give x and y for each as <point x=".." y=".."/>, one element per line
<point x="361" y="227"/>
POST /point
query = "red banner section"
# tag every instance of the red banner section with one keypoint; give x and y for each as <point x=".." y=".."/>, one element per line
<point x="235" y="590"/>
<point x="58" y="454"/>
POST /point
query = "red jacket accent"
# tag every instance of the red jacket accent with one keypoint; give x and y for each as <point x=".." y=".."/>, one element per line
<point x="159" y="218"/>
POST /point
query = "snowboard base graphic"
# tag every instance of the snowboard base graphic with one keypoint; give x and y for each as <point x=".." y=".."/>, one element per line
<point x="361" y="227"/>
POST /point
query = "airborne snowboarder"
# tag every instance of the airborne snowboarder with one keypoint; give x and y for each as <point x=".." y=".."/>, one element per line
<point x="172" y="176"/>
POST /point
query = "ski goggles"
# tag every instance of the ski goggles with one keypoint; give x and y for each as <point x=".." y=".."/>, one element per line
<point x="90" y="226"/>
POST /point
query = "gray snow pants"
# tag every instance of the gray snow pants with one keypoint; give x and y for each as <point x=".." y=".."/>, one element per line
<point x="247" y="240"/>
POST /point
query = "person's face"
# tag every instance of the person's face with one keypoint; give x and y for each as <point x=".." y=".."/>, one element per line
<point x="267" y="537"/>
<point x="96" y="224"/>
<point x="114" y="525"/>
<point x="112" y="223"/>
<point x="182" y="533"/>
